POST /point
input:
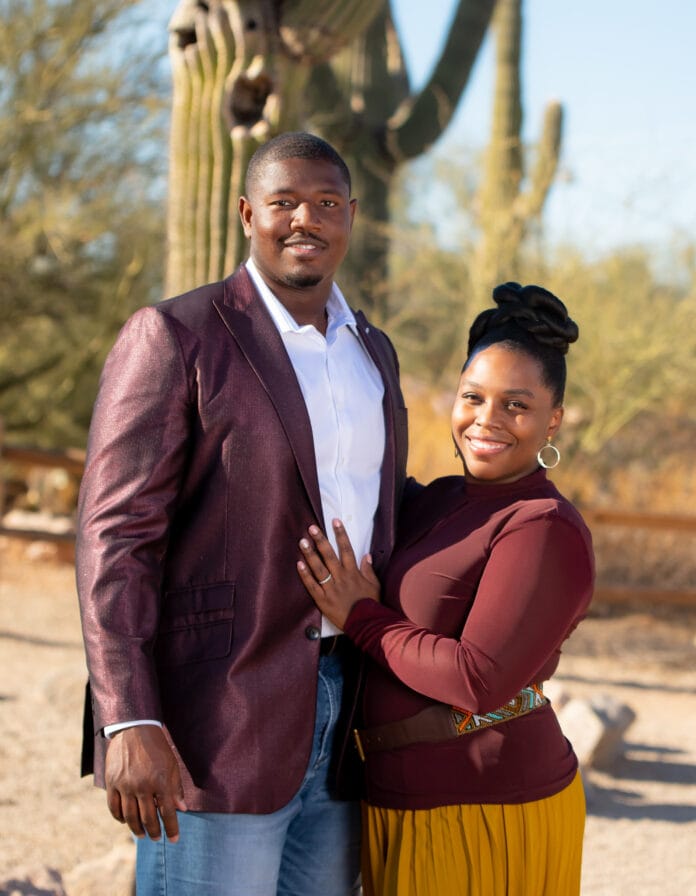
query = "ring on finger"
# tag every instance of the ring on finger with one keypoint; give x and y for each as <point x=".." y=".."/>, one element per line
<point x="327" y="579"/>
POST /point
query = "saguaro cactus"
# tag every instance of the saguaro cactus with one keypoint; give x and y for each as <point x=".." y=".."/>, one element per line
<point x="509" y="202"/>
<point x="246" y="69"/>
<point x="239" y="68"/>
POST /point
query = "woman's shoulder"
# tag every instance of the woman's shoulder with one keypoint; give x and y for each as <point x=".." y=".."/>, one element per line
<point x="547" y="504"/>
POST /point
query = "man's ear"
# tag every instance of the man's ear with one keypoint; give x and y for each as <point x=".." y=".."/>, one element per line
<point x="245" y="213"/>
<point x="353" y="204"/>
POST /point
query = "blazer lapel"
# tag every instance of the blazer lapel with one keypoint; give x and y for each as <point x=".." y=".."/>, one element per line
<point x="395" y="447"/>
<point x="247" y="319"/>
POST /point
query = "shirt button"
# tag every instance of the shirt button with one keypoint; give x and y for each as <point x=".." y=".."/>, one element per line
<point x="312" y="633"/>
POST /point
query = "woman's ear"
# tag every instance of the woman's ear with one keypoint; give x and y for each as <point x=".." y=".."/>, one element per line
<point x="555" y="422"/>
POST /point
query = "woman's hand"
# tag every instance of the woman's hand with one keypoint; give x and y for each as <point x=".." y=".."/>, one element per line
<point x="335" y="583"/>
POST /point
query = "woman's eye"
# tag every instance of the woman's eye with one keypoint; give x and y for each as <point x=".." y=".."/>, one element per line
<point x="517" y="406"/>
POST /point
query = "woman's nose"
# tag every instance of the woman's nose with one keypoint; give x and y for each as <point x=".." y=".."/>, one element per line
<point x="485" y="414"/>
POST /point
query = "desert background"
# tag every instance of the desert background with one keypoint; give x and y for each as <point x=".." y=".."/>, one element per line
<point x="58" y="839"/>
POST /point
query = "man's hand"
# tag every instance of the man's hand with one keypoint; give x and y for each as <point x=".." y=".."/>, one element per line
<point x="142" y="779"/>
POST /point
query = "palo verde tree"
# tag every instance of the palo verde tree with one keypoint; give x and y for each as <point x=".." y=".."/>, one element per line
<point x="245" y="70"/>
<point x="79" y="215"/>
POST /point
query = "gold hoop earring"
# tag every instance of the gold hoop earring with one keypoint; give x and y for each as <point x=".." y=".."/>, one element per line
<point x="556" y="455"/>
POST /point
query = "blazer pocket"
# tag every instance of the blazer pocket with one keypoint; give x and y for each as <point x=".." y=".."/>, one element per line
<point x="196" y="625"/>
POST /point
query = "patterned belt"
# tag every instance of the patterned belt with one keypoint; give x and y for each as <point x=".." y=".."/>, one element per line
<point x="442" y="722"/>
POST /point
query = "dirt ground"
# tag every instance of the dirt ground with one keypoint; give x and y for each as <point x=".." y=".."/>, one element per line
<point x="641" y="826"/>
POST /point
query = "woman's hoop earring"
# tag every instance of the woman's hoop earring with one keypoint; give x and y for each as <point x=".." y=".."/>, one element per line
<point x="556" y="456"/>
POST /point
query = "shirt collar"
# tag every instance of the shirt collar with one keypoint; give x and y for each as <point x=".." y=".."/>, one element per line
<point x="339" y="314"/>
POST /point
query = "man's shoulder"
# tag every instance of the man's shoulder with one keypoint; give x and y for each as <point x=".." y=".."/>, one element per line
<point x="197" y="304"/>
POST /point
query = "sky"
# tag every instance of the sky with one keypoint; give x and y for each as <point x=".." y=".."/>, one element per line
<point x="625" y="71"/>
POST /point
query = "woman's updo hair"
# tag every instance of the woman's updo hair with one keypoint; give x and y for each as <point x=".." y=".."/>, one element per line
<point x="532" y="320"/>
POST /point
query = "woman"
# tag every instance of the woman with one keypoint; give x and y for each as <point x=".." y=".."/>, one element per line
<point x="471" y="786"/>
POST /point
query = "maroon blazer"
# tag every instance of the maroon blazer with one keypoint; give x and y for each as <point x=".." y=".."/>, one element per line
<point x="200" y="479"/>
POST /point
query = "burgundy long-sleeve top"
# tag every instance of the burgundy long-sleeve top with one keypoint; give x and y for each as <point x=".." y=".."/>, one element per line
<point x="485" y="584"/>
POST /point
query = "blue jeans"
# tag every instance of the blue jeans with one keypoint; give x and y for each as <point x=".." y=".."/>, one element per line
<point x="311" y="847"/>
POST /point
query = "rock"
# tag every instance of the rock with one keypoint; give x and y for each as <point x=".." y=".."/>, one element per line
<point x="33" y="882"/>
<point x="556" y="693"/>
<point x="113" y="873"/>
<point x="595" y="727"/>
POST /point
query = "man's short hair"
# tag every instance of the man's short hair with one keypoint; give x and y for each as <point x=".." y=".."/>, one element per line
<point x="293" y="145"/>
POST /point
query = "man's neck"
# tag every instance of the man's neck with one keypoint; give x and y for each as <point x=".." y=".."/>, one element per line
<point x="306" y="305"/>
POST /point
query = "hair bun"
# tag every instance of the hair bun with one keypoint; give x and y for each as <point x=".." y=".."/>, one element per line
<point x="536" y="310"/>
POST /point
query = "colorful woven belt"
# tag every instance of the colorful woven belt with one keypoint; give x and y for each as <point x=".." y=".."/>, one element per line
<point x="528" y="699"/>
<point x="442" y="722"/>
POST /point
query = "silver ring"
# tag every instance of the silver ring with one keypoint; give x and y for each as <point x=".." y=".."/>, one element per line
<point x="327" y="579"/>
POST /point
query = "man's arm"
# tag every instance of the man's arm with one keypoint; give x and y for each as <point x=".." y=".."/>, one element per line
<point x="136" y="452"/>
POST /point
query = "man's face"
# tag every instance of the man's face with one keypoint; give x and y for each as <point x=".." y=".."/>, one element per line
<point x="298" y="217"/>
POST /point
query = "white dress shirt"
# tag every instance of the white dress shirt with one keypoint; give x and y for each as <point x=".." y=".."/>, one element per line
<point x="343" y="392"/>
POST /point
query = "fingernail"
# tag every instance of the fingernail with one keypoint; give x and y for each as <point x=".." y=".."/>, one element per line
<point x="313" y="530"/>
<point x="337" y="524"/>
<point x="304" y="544"/>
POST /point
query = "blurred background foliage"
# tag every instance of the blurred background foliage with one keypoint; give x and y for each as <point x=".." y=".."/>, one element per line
<point x="83" y="113"/>
<point x="85" y="96"/>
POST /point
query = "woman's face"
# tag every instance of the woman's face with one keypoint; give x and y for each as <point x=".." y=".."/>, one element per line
<point x="502" y="415"/>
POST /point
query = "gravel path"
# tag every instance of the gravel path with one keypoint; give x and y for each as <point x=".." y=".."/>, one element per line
<point x="641" y="828"/>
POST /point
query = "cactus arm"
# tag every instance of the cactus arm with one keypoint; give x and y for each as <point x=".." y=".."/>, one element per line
<point x="420" y="120"/>
<point x="530" y="203"/>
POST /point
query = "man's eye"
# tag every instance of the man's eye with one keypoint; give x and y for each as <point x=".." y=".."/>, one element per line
<point x="517" y="406"/>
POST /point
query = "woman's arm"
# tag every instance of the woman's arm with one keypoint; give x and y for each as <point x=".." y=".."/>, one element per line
<point x="535" y="587"/>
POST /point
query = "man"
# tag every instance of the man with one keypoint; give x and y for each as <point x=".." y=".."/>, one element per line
<point x="228" y="420"/>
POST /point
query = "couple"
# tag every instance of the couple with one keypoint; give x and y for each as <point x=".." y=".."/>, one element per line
<point x="248" y="444"/>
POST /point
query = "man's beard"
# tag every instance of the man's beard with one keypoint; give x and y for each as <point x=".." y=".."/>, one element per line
<point x="302" y="281"/>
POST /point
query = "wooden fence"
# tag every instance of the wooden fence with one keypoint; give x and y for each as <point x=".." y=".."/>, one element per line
<point x="596" y="517"/>
<point x="73" y="463"/>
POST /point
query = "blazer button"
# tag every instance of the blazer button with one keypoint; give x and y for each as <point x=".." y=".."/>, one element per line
<point x="312" y="633"/>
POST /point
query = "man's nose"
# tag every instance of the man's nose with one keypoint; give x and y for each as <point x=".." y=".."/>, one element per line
<point x="305" y="217"/>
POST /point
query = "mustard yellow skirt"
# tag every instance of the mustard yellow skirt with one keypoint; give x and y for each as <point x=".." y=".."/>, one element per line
<point x="524" y="849"/>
